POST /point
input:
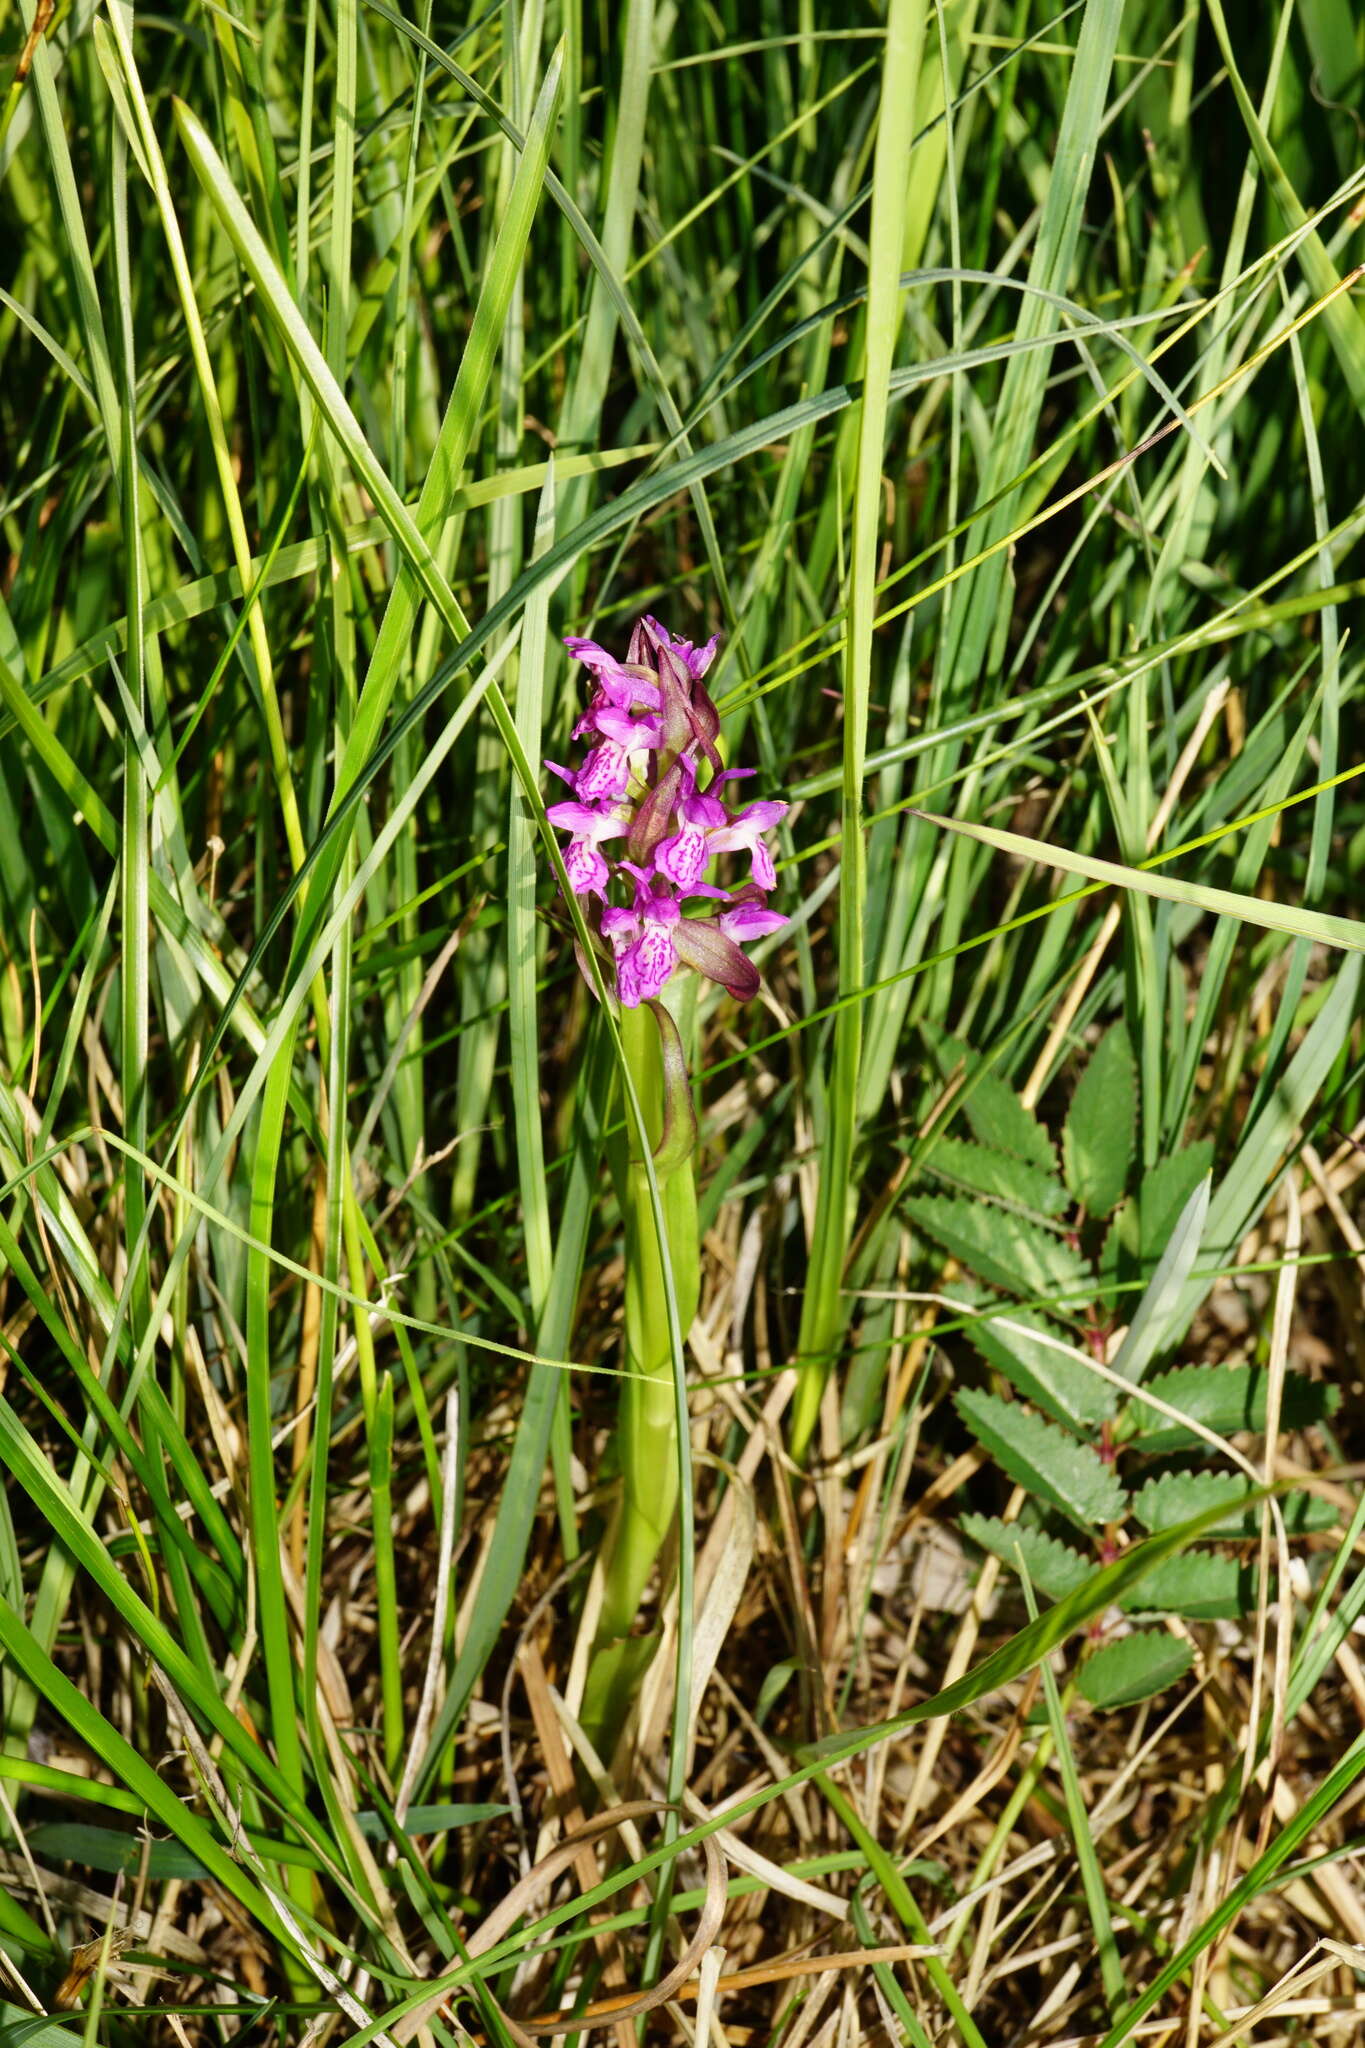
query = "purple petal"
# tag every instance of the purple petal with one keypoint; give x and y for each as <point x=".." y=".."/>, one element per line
<point x="589" y="821"/>
<point x="569" y="775"/>
<point x="570" y="817"/>
<point x="761" y="866"/>
<point x="594" y="658"/>
<point x="588" y="873"/>
<point x="700" y="659"/>
<point x="605" y="771"/>
<point x="749" y="921"/>
<point x="660" y="909"/>
<point x="762" y="816"/>
<point x="628" y="732"/>
<point x="620" y="927"/>
<point x="650" y="961"/>
<point x="696" y="659"/>
<point x="628" y="987"/>
<point x="706" y="810"/>
<point x="683" y="858"/>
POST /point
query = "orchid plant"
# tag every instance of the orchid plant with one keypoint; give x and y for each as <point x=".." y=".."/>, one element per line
<point x="648" y="818"/>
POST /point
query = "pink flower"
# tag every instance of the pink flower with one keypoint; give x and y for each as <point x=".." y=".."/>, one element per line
<point x="707" y="829"/>
<point x="696" y="659"/>
<point x="651" y="725"/>
<point x="587" y="870"/>
<point x="642" y="939"/>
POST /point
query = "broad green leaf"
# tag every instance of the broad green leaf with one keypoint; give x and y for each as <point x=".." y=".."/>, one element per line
<point x="1053" y="1566"/>
<point x="977" y="1170"/>
<point x="1165" y="1502"/>
<point x="1099" y="1136"/>
<point x="997" y="1117"/>
<point x="1125" y="1672"/>
<point x="1001" y="1247"/>
<point x="1202" y="1585"/>
<point x="1225" y="1398"/>
<point x="1025" y="1347"/>
<point x="1040" y="1457"/>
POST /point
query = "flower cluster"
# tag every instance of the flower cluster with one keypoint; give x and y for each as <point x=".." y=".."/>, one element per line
<point x="651" y="790"/>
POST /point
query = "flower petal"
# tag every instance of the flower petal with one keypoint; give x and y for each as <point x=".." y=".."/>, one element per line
<point x="683" y="858"/>
<point x="590" y="821"/>
<point x="651" y="960"/>
<point x="605" y="772"/>
<point x="748" y="921"/>
<point x="588" y="873"/>
<point x="632" y="733"/>
<point x="621" y="927"/>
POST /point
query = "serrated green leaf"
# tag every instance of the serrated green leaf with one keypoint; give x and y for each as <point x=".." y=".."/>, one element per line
<point x="1123" y="1673"/>
<point x="1099" y="1137"/>
<point x="1001" y="1247"/>
<point x="1053" y="1566"/>
<point x="997" y="1176"/>
<point x="1201" y="1585"/>
<point x="1173" y="1498"/>
<point x="1016" y="1344"/>
<point x="1225" y="1398"/>
<point x="997" y="1117"/>
<point x="1038" y="1456"/>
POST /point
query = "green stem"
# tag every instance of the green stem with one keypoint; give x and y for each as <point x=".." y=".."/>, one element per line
<point x="647" y="1429"/>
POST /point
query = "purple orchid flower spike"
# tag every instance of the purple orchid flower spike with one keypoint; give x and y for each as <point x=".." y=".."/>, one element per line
<point x="653" y="731"/>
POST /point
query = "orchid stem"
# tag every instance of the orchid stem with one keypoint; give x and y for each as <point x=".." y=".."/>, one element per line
<point x="647" y="1426"/>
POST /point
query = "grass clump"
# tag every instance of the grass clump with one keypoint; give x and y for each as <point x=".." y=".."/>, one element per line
<point x="994" y="1681"/>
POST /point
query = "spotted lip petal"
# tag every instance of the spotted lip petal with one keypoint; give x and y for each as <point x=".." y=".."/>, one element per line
<point x="683" y="858"/>
<point x="606" y="771"/>
<point x="586" y="869"/>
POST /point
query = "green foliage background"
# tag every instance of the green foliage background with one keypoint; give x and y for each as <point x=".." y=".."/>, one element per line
<point x="991" y="376"/>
